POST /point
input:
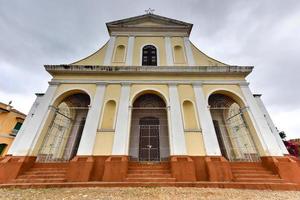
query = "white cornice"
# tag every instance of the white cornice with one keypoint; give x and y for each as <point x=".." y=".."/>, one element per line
<point x="152" y="82"/>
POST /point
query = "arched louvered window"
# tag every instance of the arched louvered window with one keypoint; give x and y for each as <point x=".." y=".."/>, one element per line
<point x="149" y="55"/>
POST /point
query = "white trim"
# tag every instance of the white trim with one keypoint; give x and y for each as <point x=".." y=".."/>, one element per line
<point x="263" y="131"/>
<point x="129" y="55"/>
<point x="120" y="144"/>
<point x="209" y="134"/>
<point x="189" y="51"/>
<point x="177" y="131"/>
<point x="89" y="132"/>
<point x="133" y="97"/>
<point x="157" y="54"/>
<point x="109" y="51"/>
<point x="270" y="122"/>
<point x="29" y="132"/>
<point x="169" y="54"/>
<point x="155" y="82"/>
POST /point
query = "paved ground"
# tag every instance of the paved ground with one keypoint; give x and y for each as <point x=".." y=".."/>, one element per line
<point x="171" y="193"/>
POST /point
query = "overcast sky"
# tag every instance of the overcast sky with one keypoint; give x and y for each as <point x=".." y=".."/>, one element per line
<point x="263" y="33"/>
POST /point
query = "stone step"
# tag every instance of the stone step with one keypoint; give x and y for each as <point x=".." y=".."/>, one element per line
<point x="47" y="169"/>
<point x="236" y="185"/>
<point x="43" y="172"/>
<point x="37" y="176"/>
<point x="39" y="180"/>
<point x="251" y="172"/>
<point x="150" y="180"/>
<point x="149" y="176"/>
<point x="256" y="176"/>
<point x="149" y="171"/>
<point x="259" y="180"/>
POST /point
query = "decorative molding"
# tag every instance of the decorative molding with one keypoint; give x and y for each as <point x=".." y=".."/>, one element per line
<point x="98" y="69"/>
<point x="152" y="82"/>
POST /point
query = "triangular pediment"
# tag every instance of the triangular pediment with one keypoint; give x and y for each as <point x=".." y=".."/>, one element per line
<point x="148" y="21"/>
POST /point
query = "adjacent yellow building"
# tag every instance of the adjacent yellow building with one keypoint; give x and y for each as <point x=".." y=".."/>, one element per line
<point x="11" y="121"/>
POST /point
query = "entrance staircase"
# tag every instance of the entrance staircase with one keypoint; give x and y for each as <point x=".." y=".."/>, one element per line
<point x="253" y="173"/>
<point x="149" y="172"/>
<point x="44" y="173"/>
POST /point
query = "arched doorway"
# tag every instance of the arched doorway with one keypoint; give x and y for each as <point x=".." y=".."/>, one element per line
<point x="65" y="129"/>
<point x="234" y="138"/>
<point x="149" y="139"/>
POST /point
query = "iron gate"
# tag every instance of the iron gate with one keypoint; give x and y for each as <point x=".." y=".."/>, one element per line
<point x="149" y="140"/>
<point x="63" y="135"/>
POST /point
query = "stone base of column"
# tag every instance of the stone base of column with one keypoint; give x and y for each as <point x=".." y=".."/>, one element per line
<point x="12" y="166"/>
<point x="218" y="168"/>
<point x="115" y="168"/>
<point x="80" y="169"/>
<point x="183" y="168"/>
<point x="286" y="167"/>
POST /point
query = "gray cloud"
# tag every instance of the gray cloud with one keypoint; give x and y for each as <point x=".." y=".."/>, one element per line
<point x="263" y="33"/>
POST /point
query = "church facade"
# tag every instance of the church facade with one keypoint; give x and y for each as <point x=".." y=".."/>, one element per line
<point x="148" y="100"/>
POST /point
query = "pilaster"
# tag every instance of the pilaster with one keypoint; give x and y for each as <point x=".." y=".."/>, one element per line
<point x="89" y="132"/>
<point x="169" y="54"/>
<point x="209" y="134"/>
<point x="121" y="139"/>
<point x="264" y="133"/>
<point x="28" y="134"/>
<point x="177" y="139"/>
<point x="129" y="55"/>
<point x="189" y="52"/>
<point x="109" y="51"/>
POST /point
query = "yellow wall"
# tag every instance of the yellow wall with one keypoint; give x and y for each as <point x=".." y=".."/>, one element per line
<point x="194" y="144"/>
<point x="96" y="58"/>
<point x="104" y="143"/>
<point x="158" y="42"/>
<point x="8" y="120"/>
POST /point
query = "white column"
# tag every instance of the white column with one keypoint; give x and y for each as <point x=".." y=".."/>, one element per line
<point x="209" y="134"/>
<point x="270" y="123"/>
<point x="129" y="54"/>
<point x="169" y="51"/>
<point x="109" y="51"/>
<point x="13" y="148"/>
<point x="189" y="51"/>
<point x="121" y="139"/>
<point x="263" y="131"/>
<point x="177" y="132"/>
<point x="89" y="132"/>
<point x="25" y="139"/>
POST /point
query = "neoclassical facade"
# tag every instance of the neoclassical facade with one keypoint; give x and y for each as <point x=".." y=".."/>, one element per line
<point x="148" y="97"/>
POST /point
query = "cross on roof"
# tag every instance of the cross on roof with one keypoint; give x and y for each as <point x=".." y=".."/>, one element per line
<point x="149" y="11"/>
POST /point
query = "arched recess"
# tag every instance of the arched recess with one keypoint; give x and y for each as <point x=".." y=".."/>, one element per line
<point x="108" y="119"/>
<point x="149" y="138"/>
<point x="120" y="54"/>
<point x="61" y="134"/>
<point x="178" y="54"/>
<point x="236" y="140"/>
<point x="190" y="120"/>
